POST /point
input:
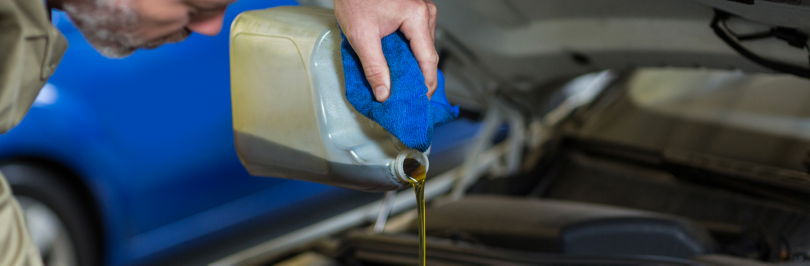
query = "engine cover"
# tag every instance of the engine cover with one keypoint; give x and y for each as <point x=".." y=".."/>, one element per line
<point x="566" y="227"/>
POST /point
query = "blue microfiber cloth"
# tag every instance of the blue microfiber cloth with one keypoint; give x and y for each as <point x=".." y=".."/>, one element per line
<point x="408" y="114"/>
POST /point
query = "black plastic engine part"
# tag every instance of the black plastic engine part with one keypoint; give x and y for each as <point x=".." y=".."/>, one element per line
<point x="363" y="248"/>
<point x="566" y="227"/>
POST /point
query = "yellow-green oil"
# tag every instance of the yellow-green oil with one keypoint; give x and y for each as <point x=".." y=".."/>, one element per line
<point x="417" y="179"/>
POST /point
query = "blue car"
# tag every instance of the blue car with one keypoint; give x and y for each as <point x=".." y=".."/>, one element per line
<point x="131" y="162"/>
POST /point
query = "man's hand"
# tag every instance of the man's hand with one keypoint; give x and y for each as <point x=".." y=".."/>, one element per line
<point x="366" y="22"/>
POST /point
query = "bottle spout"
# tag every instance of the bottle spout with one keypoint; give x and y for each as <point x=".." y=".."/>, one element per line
<point x="407" y="161"/>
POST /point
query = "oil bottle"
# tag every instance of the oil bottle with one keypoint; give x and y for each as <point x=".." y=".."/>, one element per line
<point x="290" y="116"/>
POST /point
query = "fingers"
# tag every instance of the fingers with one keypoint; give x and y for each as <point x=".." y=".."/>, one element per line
<point x="369" y="48"/>
<point x="365" y="22"/>
<point x="419" y="31"/>
<point x="433" y="11"/>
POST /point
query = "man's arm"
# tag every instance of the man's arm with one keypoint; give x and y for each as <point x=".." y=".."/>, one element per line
<point x="366" y="22"/>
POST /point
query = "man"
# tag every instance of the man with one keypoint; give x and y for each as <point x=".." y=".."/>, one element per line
<point x="31" y="48"/>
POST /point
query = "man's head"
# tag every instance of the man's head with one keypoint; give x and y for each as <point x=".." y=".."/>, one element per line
<point x="116" y="28"/>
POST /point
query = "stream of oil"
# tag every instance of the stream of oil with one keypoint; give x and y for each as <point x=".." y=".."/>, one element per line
<point x="417" y="178"/>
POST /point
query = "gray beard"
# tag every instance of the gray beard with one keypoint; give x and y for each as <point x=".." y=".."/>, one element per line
<point x="109" y="26"/>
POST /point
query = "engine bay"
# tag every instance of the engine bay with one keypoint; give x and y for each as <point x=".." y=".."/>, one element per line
<point x="602" y="193"/>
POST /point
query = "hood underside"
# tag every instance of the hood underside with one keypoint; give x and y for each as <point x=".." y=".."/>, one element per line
<point x="524" y="45"/>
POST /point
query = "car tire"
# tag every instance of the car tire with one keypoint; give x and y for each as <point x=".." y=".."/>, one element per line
<point x="71" y="236"/>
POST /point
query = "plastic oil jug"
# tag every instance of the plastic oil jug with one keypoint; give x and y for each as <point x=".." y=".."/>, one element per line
<point x="290" y="116"/>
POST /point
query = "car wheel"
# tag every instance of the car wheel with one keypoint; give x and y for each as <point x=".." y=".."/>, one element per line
<point x="60" y="224"/>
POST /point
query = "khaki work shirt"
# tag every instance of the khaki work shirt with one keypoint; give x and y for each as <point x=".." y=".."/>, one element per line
<point x="30" y="49"/>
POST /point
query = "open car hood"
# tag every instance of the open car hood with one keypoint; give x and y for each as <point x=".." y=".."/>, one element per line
<point x="522" y="46"/>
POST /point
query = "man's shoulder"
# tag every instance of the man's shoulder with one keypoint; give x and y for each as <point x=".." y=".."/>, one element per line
<point x="31" y="50"/>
